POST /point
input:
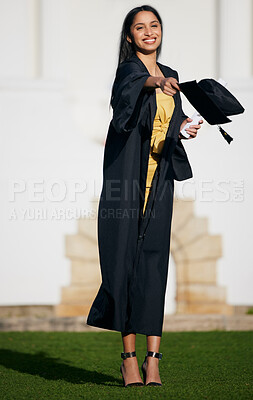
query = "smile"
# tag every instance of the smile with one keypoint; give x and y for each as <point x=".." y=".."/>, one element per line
<point x="149" y="41"/>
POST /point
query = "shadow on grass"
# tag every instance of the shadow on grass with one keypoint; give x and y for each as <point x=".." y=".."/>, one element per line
<point x="50" y="368"/>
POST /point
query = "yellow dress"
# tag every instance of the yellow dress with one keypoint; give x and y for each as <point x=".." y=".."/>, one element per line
<point x="165" y="108"/>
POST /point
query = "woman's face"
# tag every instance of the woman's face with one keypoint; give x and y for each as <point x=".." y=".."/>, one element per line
<point x="146" y="32"/>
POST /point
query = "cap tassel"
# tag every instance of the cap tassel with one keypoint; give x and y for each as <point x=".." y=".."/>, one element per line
<point x="226" y="136"/>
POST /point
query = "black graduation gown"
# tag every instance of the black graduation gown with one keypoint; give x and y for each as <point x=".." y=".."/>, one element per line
<point x="134" y="248"/>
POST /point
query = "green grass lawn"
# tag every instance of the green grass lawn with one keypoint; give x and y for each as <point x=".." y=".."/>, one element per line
<point x="65" y="365"/>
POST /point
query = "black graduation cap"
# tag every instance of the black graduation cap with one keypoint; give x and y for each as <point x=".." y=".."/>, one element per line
<point x="213" y="102"/>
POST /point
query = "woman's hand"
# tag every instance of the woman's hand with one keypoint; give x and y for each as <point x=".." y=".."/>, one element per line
<point x="192" y="130"/>
<point x="169" y="86"/>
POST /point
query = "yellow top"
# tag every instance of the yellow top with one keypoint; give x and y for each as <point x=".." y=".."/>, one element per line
<point x="164" y="112"/>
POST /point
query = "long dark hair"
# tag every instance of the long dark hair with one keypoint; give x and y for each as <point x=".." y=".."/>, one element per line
<point x="126" y="49"/>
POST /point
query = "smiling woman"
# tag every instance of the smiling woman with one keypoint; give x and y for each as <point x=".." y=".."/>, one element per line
<point x="139" y="22"/>
<point x="143" y="147"/>
<point x="145" y="34"/>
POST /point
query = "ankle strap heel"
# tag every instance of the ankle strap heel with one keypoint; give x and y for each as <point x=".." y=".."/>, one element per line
<point x="129" y="354"/>
<point x="124" y="356"/>
<point x="150" y="354"/>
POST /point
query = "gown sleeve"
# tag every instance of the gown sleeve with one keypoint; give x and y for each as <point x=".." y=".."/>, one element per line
<point x="181" y="166"/>
<point x="127" y="96"/>
<point x="183" y="115"/>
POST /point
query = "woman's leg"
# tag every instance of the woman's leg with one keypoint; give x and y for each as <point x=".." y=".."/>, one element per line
<point x="130" y="366"/>
<point x="151" y="364"/>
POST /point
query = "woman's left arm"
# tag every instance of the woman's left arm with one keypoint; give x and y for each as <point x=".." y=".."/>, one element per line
<point x="192" y="130"/>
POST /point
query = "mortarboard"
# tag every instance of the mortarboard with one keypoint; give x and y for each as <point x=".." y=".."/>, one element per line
<point x="212" y="101"/>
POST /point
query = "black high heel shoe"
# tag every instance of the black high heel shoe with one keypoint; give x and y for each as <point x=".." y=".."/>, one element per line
<point x="150" y="354"/>
<point x="124" y="356"/>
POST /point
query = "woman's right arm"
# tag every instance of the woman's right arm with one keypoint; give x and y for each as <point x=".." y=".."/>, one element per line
<point x="167" y="85"/>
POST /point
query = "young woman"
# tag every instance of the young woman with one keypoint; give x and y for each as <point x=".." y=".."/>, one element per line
<point x="143" y="155"/>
